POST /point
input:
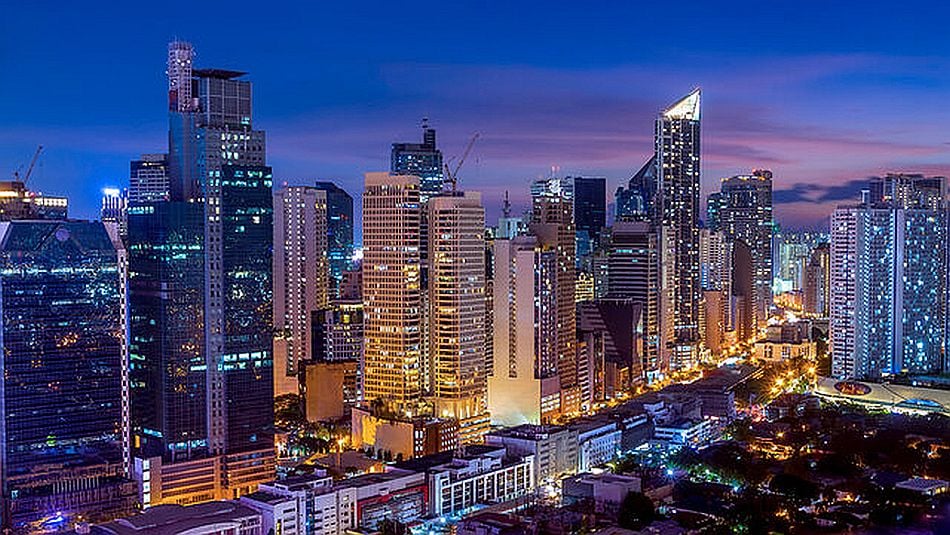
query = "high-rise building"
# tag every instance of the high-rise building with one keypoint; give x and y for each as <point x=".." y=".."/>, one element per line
<point x="678" y="176"/>
<point x="201" y="295"/>
<point x="817" y="294"/>
<point x="715" y="203"/>
<point x="791" y="251"/>
<point x="590" y="212"/>
<point x="148" y="179"/>
<point x="339" y="232"/>
<point x="843" y="263"/>
<point x="524" y="386"/>
<point x="888" y="286"/>
<point x="114" y="209"/>
<point x="456" y="302"/>
<point x="637" y="202"/>
<point x="423" y="160"/>
<point x="632" y="274"/>
<point x="210" y="126"/>
<point x="64" y="439"/>
<point x="17" y="202"/>
<point x="300" y="278"/>
<point x="509" y="226"/>
<point x="611" y="331"/>
<point x="742" y="303"/>
<point x="715" y="260"/>
<point x="166" y="311"/>
<point x="392" y="291"/>
<point x="746" y="215"/>
<point x="552" y="222"/>
<point x="246" y="358"/>
<point x="908" y="190"/>
<point x="337" y="332"/>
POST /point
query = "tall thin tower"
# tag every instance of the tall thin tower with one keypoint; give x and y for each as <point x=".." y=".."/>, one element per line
<point x="391" y="291"/>
<point x="457" y="311"/>
<point x="678" y="173"/>
<point x="552" y="221"/>
<point x="300" y="278"/>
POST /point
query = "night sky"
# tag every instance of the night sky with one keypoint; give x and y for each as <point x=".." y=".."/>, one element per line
<point x="824" y="95"/>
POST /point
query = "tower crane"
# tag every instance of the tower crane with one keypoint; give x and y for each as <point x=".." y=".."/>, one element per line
<point x="451" y="177"/>
<point x="29" y="170"/>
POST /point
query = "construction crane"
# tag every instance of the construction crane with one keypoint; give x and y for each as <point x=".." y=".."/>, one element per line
<point x="451" y="177"/>
<point x="29" y="170"/>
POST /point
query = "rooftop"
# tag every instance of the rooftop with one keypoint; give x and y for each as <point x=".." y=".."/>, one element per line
<point x="921" y="484"/>
<point x="221" y="74"/>
<point x="174" y="519"/>
<point x="527" y="431"/>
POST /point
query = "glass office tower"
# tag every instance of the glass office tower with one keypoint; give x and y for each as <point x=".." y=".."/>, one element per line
<point x="63" y="427"/>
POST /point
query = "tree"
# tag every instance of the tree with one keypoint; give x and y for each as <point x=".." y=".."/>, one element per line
<point x="636" y="511"/>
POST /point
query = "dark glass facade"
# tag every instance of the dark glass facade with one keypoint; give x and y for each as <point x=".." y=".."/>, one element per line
<point x="590" y="213"/>
<point x="62" y="368"/>
<point x="247" y="246"/>
<point x="166" y="324"/>
<point x="339" y="230"/>
<point x="423" y="160"/>
<point x="637" y="201"/>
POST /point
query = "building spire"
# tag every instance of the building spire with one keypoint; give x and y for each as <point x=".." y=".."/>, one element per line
<point x="686" y="108"/>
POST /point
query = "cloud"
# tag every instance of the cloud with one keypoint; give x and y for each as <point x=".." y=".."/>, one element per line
<point x="820" y="193"/>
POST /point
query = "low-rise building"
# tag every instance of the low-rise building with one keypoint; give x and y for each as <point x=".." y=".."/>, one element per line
<point x="481" y="475"/>
<point x="479" y="480"/>
<point x="554" y="448"/>
<point x="927" y="487"/>
<point x="791" y="404"/>
<point x="685" y="432"/>
<point x="786" y="341"/>
<point x="402" y="437"/>
<point x="598" y="441"/>
<point x="278" y="513"/>
<point x="328" y="507"/>
<point x="330" y="389"/>
<point x="606" y="491"/>
<point x="212" y="518"/>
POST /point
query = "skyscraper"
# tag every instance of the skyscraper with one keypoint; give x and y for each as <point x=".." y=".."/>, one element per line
<point x="300" y="278"/>
<point x="637" y="202"/>
<point x="552" y="222"/>
<point x="247" y="223"/>
<point x="166" y="311"/>
<point x="715" y="203"/>
<point x="524" y="386"/>
<point x="423" y="160"/>
<point x="339" y="231"/>
<point x="64" y="426"/>
<point x="715" y="260"/>
<point x="632" y="273"/>
<point x="817" y="294"/>
<point x="201" y="299"/>
<point x="391" y="291"/>
<point x="745" y="214"/>
<point x="457" y="311"/>
<point x="148" y="179"/>
<point x="590" y="212"/>
<point x="888" y="294"/>
<point x="114" y="209"/>
<point x="678" y="176"/>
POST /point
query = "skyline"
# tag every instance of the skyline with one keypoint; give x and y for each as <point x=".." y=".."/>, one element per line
<point x="822" y="109"/>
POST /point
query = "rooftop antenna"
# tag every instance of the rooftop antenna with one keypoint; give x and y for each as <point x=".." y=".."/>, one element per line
<point x="506" y="209"/>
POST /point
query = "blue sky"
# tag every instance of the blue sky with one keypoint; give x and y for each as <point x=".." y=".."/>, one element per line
<point x="824" y="94"/>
